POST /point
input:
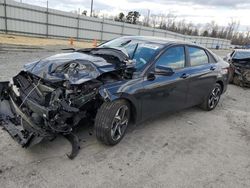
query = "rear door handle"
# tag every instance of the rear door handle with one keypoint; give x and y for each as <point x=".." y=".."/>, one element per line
<point x="185" y="75"/>
<point x="212" y="68"/>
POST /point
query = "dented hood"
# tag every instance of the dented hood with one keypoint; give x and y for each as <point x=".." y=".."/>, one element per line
<point x="75" y="67"/>
<point x="243" y="62"/>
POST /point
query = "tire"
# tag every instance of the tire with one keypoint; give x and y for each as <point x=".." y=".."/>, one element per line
<point x="110" y="126"/>
<point x="213" y="98"/>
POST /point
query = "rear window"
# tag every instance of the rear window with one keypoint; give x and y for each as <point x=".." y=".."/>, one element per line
<point x="197" y="56"/>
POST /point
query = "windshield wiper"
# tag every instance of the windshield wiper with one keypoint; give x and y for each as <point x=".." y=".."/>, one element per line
<point x="125" y="43"/>
<point x="133" y="55"/>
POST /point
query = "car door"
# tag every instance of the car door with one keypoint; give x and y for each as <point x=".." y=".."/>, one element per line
<point x="163" y="93"/>
<point x="202" y="72"/>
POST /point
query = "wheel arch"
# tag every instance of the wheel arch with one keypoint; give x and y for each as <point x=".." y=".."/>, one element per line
<point x="134" y="105"/>
<point x="221" y="84"/>
<point x="133" y="110"/>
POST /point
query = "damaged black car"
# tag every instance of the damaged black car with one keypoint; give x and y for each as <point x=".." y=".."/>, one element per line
<point x="123" y="81"/>
<point x="239" y="72"/>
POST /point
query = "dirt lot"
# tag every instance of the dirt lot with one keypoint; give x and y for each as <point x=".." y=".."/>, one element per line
<point x="33" y="41"/>
<point x="191" y="148"/>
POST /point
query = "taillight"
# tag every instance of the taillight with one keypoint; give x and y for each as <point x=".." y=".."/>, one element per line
<point x="225" y="70"/>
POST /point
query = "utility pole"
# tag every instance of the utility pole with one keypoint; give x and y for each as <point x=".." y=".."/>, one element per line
<point x="91" y="8"/>
<point x="5" y="17"/>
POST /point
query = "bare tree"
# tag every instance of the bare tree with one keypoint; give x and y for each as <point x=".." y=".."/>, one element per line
<point x="233" y="25"/>
<point x="170" y="19"/>
<point x="170" y="22"/>
<point x="145" y="21"/>
<point x="153" y="20"/>
<point x="95" y="13"/>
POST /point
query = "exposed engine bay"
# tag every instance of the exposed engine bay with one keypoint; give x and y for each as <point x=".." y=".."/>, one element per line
<point x="51" y="96"/>
<point x="241" y="69"/>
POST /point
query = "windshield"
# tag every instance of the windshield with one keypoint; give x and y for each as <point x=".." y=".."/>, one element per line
<point x="242" y="55"/>
<point x="140" y="52"/>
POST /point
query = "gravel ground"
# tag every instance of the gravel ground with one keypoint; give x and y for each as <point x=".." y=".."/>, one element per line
<point x="192" y="148"/>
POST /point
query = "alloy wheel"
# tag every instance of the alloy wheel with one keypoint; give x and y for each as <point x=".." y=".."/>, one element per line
<point x="214" y="97"/>
<point x="120" y="123"/>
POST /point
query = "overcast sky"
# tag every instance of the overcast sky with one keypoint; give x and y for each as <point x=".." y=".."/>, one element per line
<point x="197" y="11"/>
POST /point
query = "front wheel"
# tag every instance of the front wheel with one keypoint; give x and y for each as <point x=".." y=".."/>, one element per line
<point x="213" y="98"/>
<point x="111" y="121"/>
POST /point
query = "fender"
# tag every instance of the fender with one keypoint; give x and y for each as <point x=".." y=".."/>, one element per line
<point x="114" y="92"/>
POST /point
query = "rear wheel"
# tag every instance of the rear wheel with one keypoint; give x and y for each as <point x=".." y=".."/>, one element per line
<point x="213" y="98"/>
<point x="111" y="121"/>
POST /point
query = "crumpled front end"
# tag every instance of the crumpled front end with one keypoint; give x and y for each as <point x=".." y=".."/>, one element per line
<point x="241" y="72"/>
<point x="32" y="110"/>
<point x="53" y="95"/>
<point x="16" y="121"/>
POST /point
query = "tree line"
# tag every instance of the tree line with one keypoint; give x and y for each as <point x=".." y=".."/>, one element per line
<point x="171" y="22"/>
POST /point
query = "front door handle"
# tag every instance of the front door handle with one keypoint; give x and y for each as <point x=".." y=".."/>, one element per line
<point x="185" y="75"/>
<point x="212" y="68"/>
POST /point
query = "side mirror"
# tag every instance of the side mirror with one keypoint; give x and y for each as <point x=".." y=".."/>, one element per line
<point x="151" y="76"/>
<point x="164" y="71"/>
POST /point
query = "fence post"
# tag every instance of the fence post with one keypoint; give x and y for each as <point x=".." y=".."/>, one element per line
<point x="102" y="29"/>
<point x="47" y="20"/>
<point x="78" y="26"/>
<point x="122" y="28"/>
<point x="139" y="33"/>
<point x="5" y="17"/>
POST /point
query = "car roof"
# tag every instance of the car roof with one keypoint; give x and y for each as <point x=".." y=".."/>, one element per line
<point x="159" y="40"/>
<point x="242" y="50"/>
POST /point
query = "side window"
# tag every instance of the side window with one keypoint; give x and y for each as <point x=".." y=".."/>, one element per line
<point x="173" y="58"/>
<point x="197" y="56"/>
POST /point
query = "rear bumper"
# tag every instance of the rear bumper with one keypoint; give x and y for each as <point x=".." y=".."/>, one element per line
<point x="224" y="79"/>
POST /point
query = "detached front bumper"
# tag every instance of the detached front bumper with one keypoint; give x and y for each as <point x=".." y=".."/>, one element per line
<point x="20" y="126"/>
<point x="29" y="130"/>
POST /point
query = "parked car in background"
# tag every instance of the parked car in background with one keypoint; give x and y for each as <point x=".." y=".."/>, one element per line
<point x="125" y="80"/>
<point x="239" y="72"/>
<point x="247" y="46"/>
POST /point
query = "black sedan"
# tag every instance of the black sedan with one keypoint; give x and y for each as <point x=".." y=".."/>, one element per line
<point x="125" y="80"/>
